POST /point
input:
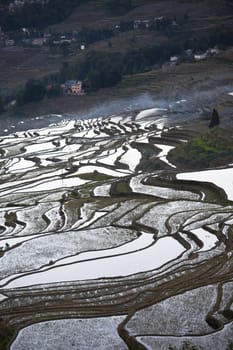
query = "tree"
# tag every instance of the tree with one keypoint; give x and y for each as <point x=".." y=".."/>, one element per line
<point x="54" y="91"/>
<point x="65" y="48"/>
<point x="34" y="91"/>
<point x="230" y="346"/>
<point x="1" y="105"/>
<point x="214" y="119"/>
<point x="103" y="70"/>
<point x="6" y="334"/>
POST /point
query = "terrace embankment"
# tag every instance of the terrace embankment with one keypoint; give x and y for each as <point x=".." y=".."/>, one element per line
<point x="108" y="227"/>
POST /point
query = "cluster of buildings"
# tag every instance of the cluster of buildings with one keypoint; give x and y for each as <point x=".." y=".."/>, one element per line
<point x="72" y="87"/>
<point x="29" y="38"/>
<point x="33" y="38"/>
<point x="190" y="55"/>
<point x="157" y="22"/>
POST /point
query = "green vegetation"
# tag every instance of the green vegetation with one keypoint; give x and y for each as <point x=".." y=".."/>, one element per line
<point x="228" y="314"/>
<point x="213" y="322"/>
<point x="214" y="148"/>
<point x="230" y="346"/>
<point x="121" y="188"/>
<point x="214" y="119"/>
<point x="34" y="91"/>
<point x="90" y="35"/>
<point x="95" y="176"/>
<point x="104" y="69"/>
<point x="149" y="161"/>
<point x="10" y="219"/>
<point x="1" y="105"/>
<point x="97" y="70"/>
<point x="6" y="335"/>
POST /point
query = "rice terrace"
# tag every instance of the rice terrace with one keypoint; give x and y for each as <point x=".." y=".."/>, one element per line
<point x="107" y="242"/>
<point x="116" y="175"/>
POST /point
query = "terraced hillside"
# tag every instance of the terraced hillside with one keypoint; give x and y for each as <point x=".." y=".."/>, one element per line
<point x="105" y="244"/>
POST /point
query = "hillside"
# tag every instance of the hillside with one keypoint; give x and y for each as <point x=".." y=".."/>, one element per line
<point x="196" y="25"/>
<point x="202" y="13"/>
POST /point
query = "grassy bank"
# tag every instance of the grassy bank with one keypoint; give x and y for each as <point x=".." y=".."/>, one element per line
<point x="214" y="148"/>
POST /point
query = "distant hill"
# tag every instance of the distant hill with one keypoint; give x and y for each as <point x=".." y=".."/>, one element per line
<point x="35" y="14"/>
<point x="121" y="38"/>
<point x="72" y="13"/>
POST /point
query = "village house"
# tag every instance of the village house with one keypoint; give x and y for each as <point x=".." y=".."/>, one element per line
<point x="73" y="87"/>
<point x="66" y="39"/>
<point x="209" y="53"/>
<point x="213" y="51"/>
<point x="200" y="56"/>
<point x="174" y="60"/>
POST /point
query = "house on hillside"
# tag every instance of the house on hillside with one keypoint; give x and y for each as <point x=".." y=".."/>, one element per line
<point x="59" y="39"/>
<point x="73" y="87"/>
<point x="174" y="60"/>
<point x="213" y="51"/>
<point x="66" y="38"/>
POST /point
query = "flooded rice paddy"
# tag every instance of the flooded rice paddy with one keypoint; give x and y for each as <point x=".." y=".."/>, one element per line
<point x="107" y="244"/>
